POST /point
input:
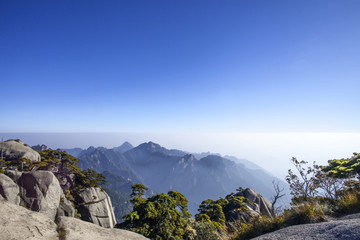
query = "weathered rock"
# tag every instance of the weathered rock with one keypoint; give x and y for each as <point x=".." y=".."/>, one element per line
<point x="40" y="191"/>
<point x="9" y="190"/>
<point x="75" y="229"/>
<point x="13" y="174"/>
<point x="260" y="204"/>
<point x="18" y="223"/>
<point x="348" y="229"/>
<point x="65" y="208"/>
<point x="15" y="150"/>
<point x="94" y="205"/>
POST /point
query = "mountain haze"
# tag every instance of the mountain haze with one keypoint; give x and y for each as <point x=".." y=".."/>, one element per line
<point x="161" y="170"/>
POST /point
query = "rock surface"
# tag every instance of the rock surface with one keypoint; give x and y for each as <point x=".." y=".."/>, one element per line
<point x="19" y="223"/>
<point x="40" y="191"/>
<point x="65" y="207"/>
<point x="95" y="206"/>
<point x="13" y="174"/>
<point x="15" y="149"/>
<point x="348" y="229"/>
<point x="260" y="204"/>
<point x="75" y="229"/>
<point x="9" y="190"/>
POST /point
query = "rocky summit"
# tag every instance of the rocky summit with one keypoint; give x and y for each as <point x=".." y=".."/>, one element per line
<point x="16" y="149"/>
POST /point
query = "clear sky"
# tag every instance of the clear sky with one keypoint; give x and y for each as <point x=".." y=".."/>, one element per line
<point x="181" y="66"/>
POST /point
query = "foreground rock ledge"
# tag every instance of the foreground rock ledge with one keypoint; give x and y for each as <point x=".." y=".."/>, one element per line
<point x="348" y="229"/>
<point x="17" y="223"/>
<point x="75" y="229"/>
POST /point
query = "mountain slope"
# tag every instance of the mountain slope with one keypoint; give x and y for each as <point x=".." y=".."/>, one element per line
<point x="101" y="159"/>
<point x="162" y="170"/>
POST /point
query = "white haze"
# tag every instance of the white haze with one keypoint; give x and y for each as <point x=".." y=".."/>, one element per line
<point x="272" y="151"/>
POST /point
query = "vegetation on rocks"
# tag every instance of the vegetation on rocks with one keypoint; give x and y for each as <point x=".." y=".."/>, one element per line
<point x="218" y="212"/>
<point x="318" y="192"/>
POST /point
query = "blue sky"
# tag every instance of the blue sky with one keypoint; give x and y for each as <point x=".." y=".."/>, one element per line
<point x="180" y="66"/>
<point x="262" y="80"/>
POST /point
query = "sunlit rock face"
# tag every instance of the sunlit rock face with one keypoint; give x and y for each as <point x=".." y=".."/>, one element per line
<point x="258" y="204"/>
<point x="94" y="205"/>
<point x="17" y="222"/>
<point x="9" y="190"/>
<point x="15" y="149"/>
<point x="40" y="191"/>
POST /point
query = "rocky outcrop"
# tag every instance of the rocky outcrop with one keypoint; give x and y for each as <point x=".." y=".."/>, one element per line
<point x="256" y="205"/>
<point x="348" y="229"/>
<point x="259" y="204"/>
<point x="75" y="229"/>
<point x="40" y="147"/>
<point x="18" y="223"/>
<point x="40" y="191"/>
<point x="65" y="208"/>
<point x="9" y="190"/>
<point x="15" y="149"/>
<point x="94" y="205"/>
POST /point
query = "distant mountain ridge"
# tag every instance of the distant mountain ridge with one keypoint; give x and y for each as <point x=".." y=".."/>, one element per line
<point x="162" y="170"/>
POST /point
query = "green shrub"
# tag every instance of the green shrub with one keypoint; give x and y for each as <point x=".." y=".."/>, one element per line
<point x="162" y="216"/>
<point x="205" y="231"/>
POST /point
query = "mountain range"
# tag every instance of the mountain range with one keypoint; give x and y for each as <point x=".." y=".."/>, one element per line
<point x="197" y="176"/>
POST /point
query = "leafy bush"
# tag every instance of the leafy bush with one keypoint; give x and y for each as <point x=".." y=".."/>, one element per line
<point x="162" y="216"/>
<point x="205" y="231"/>
<point x="216" y="212"/>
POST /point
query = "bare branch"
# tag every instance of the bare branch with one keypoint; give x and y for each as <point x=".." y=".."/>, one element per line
<point x="278" y="194"/>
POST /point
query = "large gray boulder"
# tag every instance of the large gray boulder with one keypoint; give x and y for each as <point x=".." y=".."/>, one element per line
<point x="94" y="205"/>
<point x="75" y="229"/>
<point x="40" y="191"/>
<point x="18" y="223"/>
<point x="15" y="150"/>
<point x="9" y="190"/>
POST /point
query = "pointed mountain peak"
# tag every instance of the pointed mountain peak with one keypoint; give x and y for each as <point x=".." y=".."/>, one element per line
<point x="91" y="148"/>
<point x="151" y="146"/>
<point x="126" y="146"/>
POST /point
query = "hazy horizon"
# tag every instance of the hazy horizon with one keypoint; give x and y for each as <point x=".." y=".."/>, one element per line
<point x="271" y="151"/>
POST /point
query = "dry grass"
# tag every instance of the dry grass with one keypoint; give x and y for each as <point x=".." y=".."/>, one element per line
<point x="349" y="203"/>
